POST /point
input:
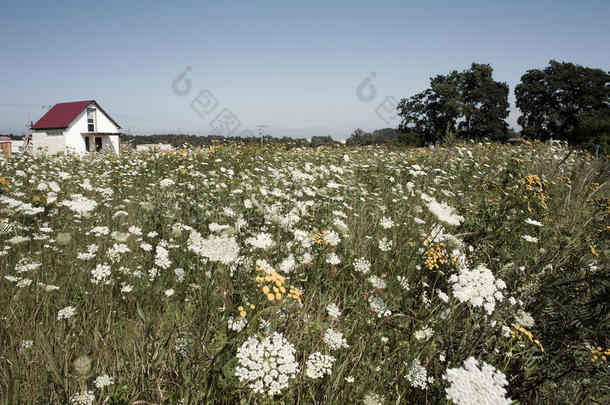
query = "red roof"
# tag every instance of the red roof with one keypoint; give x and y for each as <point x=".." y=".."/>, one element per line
<point x="5" y="139"/>
<point x="62" y="115"/>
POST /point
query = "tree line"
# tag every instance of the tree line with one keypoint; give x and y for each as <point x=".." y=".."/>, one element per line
<point x="563" y="101"/>
<point x="177" y="140"/>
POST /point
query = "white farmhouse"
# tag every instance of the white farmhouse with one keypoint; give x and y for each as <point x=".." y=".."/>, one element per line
<point x="79" y="126"/>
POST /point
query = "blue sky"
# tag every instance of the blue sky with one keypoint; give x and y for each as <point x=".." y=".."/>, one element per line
<point x="292" y="66"/>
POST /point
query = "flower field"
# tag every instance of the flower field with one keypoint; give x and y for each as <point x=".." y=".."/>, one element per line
<point x="471" y="273"/>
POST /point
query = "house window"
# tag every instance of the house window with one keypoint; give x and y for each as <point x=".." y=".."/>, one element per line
<point x="90" y="120"/>
<point x="87" y="144"/>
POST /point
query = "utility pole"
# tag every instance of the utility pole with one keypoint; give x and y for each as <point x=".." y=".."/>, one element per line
<point x="260" y="131"/>
<point x="27" y="139"/>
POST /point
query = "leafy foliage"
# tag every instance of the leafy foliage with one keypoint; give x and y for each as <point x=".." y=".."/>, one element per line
<point x="470" y="104"/>
<point x="564" y="101"/>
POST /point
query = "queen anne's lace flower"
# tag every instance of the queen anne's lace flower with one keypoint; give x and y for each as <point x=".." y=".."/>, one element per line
<point x="533" y="222"/>
<point x="377" y="282"/>
<point x="478" y="287"/>
<point x="334" y="339"/>
<point x="373" y="399"/>
<point x="79" y="204"/>
<point x="100" y="273"/>
<point x="332" y="258"/>
<point x="362" y="265"/>
<point x="470" y="384"/>
<point x="162" y="257"/>
<point x="379" y="307"/>
<point x="333" y="310"/>
<point x="216" y="248"/>
<point x="332" y="238"/>
<point x="386" y="223"/>
<point x="66" y="313"/>
<point x="262" y="241"/>
<point x="444" y="213"/>
<point x="103" y="381"/>
<point x="266" y="365"/>
<point x="418" y="376"/>
<point x="237" y="324"/>
<point x="524" y="319"/>
<point x="318" y="365"/>
<point x="385" y="245"/>
<point x="84" y="398"/>
<point x="166" y="183"/>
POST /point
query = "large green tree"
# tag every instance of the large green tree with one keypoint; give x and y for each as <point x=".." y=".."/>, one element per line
<point x="562" y="100"/>
<point x="469" y="103"/>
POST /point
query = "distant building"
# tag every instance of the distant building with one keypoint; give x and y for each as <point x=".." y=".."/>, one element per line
<point x="6" y="146"/>
<point x="17" y="146"/>
<point x="80" y="126"/>
<point x="149" y="146"/>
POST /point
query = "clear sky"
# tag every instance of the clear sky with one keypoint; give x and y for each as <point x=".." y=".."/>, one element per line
<point x="294" y="66"/>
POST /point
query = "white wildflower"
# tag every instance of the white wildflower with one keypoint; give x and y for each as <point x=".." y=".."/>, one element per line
<point x="445" y="213"/>
<point x="385" y="245"/>
<point x="103" y="381"/>
<point x="332" y="258"/>
<point x="262" y="241"/>
<point x="162" y="257"/>
<point x="362" y="265"/>
<point x="238" y="324"/>
<point x="477" y="287"/>
<point x="377" y="282"/>
<point x="318" y="365"/>
<point x="332" y="238"/>
<point x="79" y="204"/>
<point x="524" y="319"/>
<point x="216" y="248"/>
<point x="266" y="365"/>
<point x="66" y="313"/>
<point x="333" y="310"/>
<point x="379" y="307"/>
<point x="386" y="223"/>
<point x="373" y="399"/>
<point x="471" y="384"/>
<point x="334" y="339"/>
<point x="417" y="375"/>
<point x="84" y="398"/>
<point x="424" y="333"/>
<point x="100" y="273"/>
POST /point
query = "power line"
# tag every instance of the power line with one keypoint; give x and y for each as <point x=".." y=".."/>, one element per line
<point x="25" y="105"/>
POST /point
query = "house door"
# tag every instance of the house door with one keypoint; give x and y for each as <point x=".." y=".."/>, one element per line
<point x="98" y="143"/>
<point x="87" y="144"/>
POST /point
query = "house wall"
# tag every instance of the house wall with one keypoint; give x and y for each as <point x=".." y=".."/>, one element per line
<point x="50" y="140"/>
<point x="74" y="140"/>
